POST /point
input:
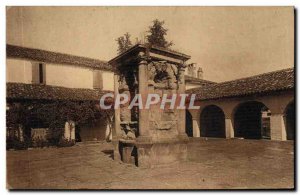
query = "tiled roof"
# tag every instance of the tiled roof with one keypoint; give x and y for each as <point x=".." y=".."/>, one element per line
<point x="13" y="51"/>
<point x="190" y="79"/>
<point x="46" y="92"/>
<point x="259" y="84"/>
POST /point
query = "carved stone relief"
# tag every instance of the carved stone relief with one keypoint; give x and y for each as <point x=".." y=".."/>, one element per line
<point x="163" y="75"/>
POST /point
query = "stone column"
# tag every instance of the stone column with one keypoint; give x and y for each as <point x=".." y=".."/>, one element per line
<point x="229" y="128"/>
<point x="181" y="113"/>
<point x="117" y="128"/>
<point x="278" y="131"/>
<point x="116" y="131"/>
<point x="72" y="130"/>
<point x="109" y="129"/>
<point x="144" y="134"/>
<point x="20" y="133"/>
<point x="67" y="133"/>
<point x="196" y="127"/>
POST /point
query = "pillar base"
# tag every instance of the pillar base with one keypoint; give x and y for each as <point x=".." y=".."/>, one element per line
<point x="183" y="137"/>
<point x="116" y="154"/>
<point x="148" y="155"/>
<point x="144" y="139"/>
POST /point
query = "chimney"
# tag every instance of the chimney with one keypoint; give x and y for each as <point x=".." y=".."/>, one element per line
<point x="192" y="69"/>
<point x="200" y="73"/>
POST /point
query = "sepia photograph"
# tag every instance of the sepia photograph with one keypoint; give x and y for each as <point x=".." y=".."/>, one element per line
<point x="150" y="98"/>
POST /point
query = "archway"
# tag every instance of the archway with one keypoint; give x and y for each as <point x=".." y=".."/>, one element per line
<point x="290" y="121"/>
<point x="252" y="121"/>
<point x="189" y="124"/>
<point x="212" y="122"/>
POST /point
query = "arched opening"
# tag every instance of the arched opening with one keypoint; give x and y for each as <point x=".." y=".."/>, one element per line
<point x="290" y="121"/>
<point x="212" y="122"/>
<point x="188" y="124"/>
<point x="252" y="121"/>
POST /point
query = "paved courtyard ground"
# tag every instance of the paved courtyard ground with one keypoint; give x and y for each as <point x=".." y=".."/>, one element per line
<point x="212" y="164"/>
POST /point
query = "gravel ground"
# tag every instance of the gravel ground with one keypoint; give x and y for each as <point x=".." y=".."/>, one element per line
<point x="211" y="164"/>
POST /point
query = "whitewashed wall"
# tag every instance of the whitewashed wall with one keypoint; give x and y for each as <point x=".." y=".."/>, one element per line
<point x="108" y="81"/>
<point x="20" y="71"/>
<point x="69" y="76"/>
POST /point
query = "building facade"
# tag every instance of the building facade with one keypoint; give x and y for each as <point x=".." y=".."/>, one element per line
<point x="34" y="74"/>
<point x="257" y="107"/>
<point x="38" y="75"/>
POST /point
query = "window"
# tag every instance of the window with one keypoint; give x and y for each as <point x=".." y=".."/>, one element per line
<point x="41" y="73"/>
<point x="38" y="73"/>
<point x="97" y="79"/>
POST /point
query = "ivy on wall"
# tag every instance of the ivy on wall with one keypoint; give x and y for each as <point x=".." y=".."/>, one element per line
<point x="53" y="115"/>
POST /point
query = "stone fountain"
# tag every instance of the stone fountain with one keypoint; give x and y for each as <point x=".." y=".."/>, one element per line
<point x="149" y="137"/>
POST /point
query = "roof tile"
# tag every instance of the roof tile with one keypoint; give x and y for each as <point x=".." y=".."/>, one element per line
<point x="13" y="51"/>
<point x="46" y="92"/>
<point x="258" y="84"/>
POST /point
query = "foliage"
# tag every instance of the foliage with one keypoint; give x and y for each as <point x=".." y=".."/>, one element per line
<point x="156" y="37"/>
<point x="124" y="43"/>
<point x="14" y="143"/>
<point x="15" y="115"/>
<point x="52" y="115"/>
<point x="157" y="33"/>
<point x="40" y="143"/>
<point x="65" y="143"/>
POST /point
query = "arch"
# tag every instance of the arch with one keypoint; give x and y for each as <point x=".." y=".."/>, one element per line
<point x="252" y="120"/>
<point x="212" y="122"/>
<point x="290" y="121"/>
<point x="188" y="124"/>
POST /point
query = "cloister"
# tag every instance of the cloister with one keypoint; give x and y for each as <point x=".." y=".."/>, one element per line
<point x="252" y="108"/>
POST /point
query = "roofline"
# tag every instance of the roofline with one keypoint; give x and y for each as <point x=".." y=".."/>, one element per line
<point x="250" y="77"/>
<point x="256" y="94"/>
<point x="210" y="89"/>
<point x="145" y="47"/>
<point x="257" y="75"/>
<point x="191" y="79"/>
<point x="55" y="87"/>
<point x="124" y="53"/>
<point x="11" y="54"/>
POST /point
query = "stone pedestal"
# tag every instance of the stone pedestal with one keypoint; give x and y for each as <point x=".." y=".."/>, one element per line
<point x="149" y="155"/>
<point x="161" y="153"/>
<point x="128" y="151"/>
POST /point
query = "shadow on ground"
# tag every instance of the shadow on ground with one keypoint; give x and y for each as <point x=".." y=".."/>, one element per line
<point x="211" y="164"/>
<point x="109" y="153"/>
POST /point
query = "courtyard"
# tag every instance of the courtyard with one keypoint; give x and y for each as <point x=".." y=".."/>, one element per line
<point x="211" y="164"/>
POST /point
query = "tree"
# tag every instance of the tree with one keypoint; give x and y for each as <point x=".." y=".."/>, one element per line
<point x="157" y="33"/>
<point x="124" y="43"/>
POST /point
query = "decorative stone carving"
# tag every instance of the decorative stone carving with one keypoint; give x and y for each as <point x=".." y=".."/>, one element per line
<point x="129" y="130"/>
<point x="123" y="85"/>
<point x="162" y="75"/>
<point x="163" y="120"/>
<point x="180" y="77"/>
<point x="125" y="114"/>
